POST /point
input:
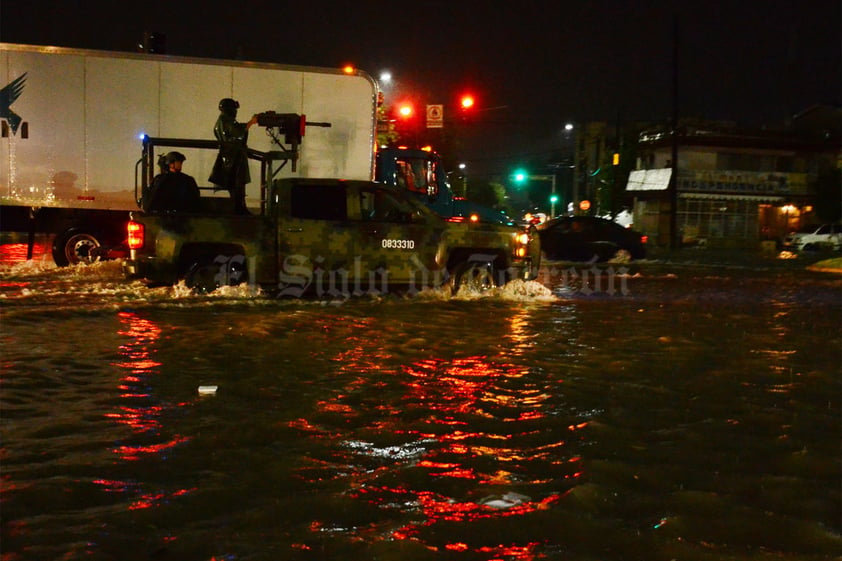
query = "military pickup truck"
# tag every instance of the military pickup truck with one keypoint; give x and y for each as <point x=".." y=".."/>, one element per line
<point x="324" y="237"/>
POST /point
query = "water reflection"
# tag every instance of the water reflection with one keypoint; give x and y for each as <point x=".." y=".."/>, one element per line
<point x="691" y="419"/>
<point x="19" y="252"/>
<point x="451" y="440"/>
<point x="140" y="410"/>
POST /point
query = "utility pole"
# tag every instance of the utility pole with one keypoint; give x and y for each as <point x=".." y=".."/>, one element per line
<point x="673" y="184"/>
<point x="618" y="150"/>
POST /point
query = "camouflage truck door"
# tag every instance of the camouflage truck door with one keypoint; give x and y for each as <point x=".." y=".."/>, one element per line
<point x="315" y="238"/>
<point x="398" y="241"/>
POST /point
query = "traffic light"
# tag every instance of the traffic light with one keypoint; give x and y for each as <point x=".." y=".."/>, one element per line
<point x="467" y="107"/>
<point x="553" y="198"/>
<point x="520" y="176"/>
<point x="405" y="110"/>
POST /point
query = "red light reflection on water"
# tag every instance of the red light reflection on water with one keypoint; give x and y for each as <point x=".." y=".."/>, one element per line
<point x="137" y="366"/>
<point x="151" y="500"/>
<point x="522" y="553"/>
<point x="449" y="398"/>
<point x="131" y="453"/>
<point x="16" y="252"/>
<point x="440" y="509"/>
<point x="143" y="413"/>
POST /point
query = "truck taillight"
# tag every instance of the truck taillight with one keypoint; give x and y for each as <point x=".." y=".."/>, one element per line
<point x="521" y="244"/>
<point x="135" y="230"/>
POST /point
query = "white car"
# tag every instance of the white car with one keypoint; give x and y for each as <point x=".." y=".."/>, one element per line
<point x="826" y="236"/>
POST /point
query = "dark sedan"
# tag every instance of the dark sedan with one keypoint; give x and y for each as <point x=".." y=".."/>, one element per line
<point x="588" y="238"/>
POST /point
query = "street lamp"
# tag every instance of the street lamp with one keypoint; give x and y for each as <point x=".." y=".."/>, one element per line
<point x="569" y="129"/>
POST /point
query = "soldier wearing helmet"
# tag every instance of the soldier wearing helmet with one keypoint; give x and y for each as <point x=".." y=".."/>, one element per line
<point x="231" y="170"/>
<point x="172" y="191"/>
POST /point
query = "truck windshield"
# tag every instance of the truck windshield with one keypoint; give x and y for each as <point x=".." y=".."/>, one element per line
<point x="417" y="174"/>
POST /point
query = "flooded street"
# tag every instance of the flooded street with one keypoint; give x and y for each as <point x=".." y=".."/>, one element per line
<point x="646" y="411"/>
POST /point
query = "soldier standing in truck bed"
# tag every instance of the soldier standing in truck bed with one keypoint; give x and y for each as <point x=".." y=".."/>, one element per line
<point x="231" y="169"/>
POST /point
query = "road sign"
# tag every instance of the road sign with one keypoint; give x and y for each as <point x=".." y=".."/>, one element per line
<point x="435" y="116"/>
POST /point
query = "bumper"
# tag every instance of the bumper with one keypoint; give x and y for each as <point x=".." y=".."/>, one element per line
<point x="148" y="269"/>
<point x="524" y="269"/>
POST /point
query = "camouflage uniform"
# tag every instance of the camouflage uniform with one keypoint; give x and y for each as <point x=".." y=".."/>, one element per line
<point x="231" y="169"/>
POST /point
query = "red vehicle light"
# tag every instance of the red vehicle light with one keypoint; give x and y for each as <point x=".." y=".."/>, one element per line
<point x="644" y="239"/>
<point x="136" y="234"/>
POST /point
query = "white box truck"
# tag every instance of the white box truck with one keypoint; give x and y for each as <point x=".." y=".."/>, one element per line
<point x="72" y="123"/>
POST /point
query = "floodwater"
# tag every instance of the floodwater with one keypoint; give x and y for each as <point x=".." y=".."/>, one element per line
<point x="626" y="412"/>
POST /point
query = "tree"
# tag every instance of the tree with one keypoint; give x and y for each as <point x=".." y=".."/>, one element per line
<point x="386" y="132"/>
<point x="488" y="193"/>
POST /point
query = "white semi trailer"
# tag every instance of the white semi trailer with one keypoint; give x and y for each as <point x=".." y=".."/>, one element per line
<point x="72" y="123"/>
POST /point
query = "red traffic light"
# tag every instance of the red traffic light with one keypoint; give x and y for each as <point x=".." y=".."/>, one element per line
<point x="405" y="110"/>
<point x="467" y="102"/>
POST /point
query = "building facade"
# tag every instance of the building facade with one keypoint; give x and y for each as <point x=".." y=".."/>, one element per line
<point x="732" y="188"/>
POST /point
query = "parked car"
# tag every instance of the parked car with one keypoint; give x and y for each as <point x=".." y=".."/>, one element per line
<point x="587" y="238"/>
<point x="824" y="236"/>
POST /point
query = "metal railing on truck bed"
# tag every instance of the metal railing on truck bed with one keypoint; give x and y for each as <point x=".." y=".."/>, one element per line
<point x="145" y="169"/>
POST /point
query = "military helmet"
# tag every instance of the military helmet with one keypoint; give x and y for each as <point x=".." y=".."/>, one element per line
<point x="228" y="104"/>
<point x="175" y="157"/>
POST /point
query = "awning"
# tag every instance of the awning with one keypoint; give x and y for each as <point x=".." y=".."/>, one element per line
<point x="649" y="179"/>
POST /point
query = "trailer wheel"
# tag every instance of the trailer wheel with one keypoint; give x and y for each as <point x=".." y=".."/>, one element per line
<point x="207" y="274"/>
<point x="75" y="246"/>
<point x="476" y="276"/>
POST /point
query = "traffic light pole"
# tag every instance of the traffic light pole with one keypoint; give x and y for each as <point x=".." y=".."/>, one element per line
<point x="553" y="196"/>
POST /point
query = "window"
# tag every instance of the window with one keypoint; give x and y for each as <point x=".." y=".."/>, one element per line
<point x="712" y="218"/>
<point x="319" y="202"/>
<point x="417" y="174"/>
<point x="379" y="205"/>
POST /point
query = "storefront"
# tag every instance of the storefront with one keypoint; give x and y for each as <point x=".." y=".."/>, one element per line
<point x="718" y="208"/>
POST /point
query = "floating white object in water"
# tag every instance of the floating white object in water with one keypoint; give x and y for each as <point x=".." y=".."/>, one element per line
<point x="207" y="390"/>
<point x="508" y="500"/>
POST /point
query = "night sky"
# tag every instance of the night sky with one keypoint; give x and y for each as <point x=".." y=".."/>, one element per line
<point x="533" y="65"/>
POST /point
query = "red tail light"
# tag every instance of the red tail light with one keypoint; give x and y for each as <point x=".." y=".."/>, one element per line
<point x="136" y="235"/>
<point x="644" y="239"/>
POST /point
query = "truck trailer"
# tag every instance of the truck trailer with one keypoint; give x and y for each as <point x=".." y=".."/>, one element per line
<point x="72" y="120"/>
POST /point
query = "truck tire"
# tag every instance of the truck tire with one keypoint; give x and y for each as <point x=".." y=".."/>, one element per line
<point x="207" y="274"/>
<point x="75" y="246"/>
<point x="476" y="276"/>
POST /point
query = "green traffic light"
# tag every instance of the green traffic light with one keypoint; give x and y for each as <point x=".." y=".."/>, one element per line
<point x="520" y="176"/>
<point x="553" y="198"/>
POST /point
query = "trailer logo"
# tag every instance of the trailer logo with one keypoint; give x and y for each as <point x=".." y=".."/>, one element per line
<point x="8" y="96"/>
